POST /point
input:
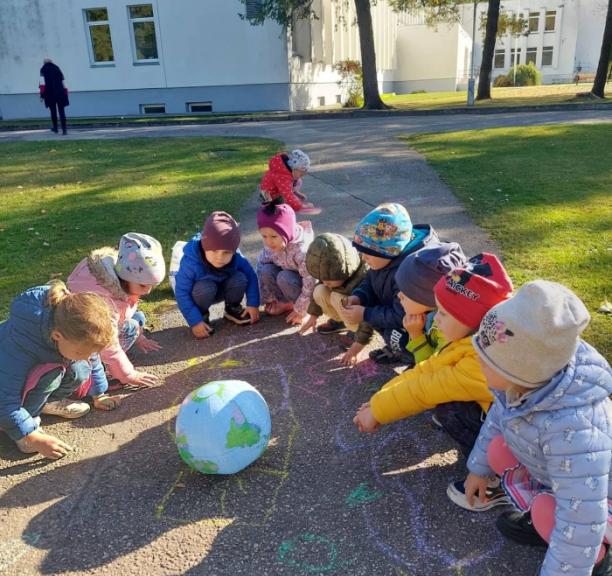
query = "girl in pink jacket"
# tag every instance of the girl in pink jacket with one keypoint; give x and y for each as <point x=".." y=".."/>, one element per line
<point x="122" y="276"/>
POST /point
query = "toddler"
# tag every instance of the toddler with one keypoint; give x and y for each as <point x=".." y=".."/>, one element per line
<point x="549" y="430"/>
<point x="48" y="350"/>
<point x="122" y="276"/>
<point x="284" y="280"/>
<point x="212" y="269"/>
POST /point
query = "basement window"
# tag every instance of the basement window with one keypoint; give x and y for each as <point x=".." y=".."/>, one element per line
<point x="199" y="107"/>
<point x="152" y="108"/>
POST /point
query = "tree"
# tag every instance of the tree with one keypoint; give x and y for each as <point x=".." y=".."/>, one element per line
<point x="605" y="57"/>
<point x="484" y="79"/>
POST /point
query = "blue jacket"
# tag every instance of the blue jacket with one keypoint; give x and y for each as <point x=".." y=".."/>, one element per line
<point x="194" y="268"/>
<point x="562" y="433"/>
<point x="25" y="343"/>
<point x="378" y="290"/>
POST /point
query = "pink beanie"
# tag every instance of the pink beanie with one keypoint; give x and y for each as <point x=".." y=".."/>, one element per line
<point x="279" y="217"/>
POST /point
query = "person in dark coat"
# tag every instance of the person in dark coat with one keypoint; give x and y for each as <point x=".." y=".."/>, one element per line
<point x="53" y="92"/>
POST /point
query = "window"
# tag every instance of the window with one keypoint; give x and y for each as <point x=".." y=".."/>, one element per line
<point x="549" y="24"/>
<point x="534" y="21"/>
<point x="547" y="56"/>
<point x="199" y="107"/>
<point x="515" y="52"/>
<point x="532" y="55"/>
<point x="152" y="108"/>
<point x="253" y="8"/>
<point x="144" y="42"/>
<point x="98" y="28"/>
<point x="500" y="58"/>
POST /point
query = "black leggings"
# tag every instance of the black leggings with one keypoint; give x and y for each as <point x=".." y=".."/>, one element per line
<point x="62" y="115"/>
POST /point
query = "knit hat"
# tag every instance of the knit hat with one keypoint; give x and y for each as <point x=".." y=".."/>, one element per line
<point x="299" y="160"/>
<point x="384" y="232"/>
<point x="279" y="217"/>
<point x="418" y="273"/>
<point x="221" y="232"/>
<point x="332" y="257"/>
<point x="469" y="292"/>
<point x="140" y="259"/>
<point x="532" y="336"/>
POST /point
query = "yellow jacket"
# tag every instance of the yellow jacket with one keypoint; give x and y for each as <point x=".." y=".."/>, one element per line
<point x="452" y="375"/>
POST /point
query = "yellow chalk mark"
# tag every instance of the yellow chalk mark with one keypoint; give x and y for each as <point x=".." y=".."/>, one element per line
<point x="194" y="361"/>
<point x="159" y="509"/>
<point x="230" y="363"/>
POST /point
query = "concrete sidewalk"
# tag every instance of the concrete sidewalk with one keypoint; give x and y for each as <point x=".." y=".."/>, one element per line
<point x="323" y="499"/>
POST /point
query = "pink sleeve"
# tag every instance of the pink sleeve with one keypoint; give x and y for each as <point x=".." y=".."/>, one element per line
<point x="308" y="284"/>
<point x="117" y="362"/>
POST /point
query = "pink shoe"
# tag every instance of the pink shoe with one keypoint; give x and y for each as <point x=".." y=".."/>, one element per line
<point x="313" y="210"/>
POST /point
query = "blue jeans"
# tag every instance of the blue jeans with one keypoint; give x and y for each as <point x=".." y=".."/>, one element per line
<point x="131" y="330"/>
<point x="276" y="283"/>
<point x="206" y="292"/>
<point x="56" y="385"/>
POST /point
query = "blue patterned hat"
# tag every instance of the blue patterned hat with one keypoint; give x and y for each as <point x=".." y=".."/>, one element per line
<point x="384" y="232"/>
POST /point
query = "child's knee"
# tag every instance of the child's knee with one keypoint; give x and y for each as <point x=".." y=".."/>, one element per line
<point x="543" y="514"/>
<point x="203" y="293"/>
<point x="238" y="281"/>
<point x="322" y="294"/>
<point x="289" y="281"/>
<point x="79" y="372"/>
<point x="499" y="455"/>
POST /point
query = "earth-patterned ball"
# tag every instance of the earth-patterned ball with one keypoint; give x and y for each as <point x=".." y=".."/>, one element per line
<point x="222" y="427"/>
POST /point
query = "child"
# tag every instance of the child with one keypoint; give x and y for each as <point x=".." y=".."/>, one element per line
<point x="213" y="269"/>
<point x="549" y="431"/>
<point x="122" y="276"/>
<point x="463" y="297"/>
<point x="384" y="237"/>
<point x="284" y="179"/>
<point x="284" y="281"/>
<point x="416" y="278"/>
<point x="339" y="268"/>
<point x="48" y="349"/>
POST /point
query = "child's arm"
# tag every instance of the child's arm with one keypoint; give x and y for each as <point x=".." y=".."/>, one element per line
<point x="384" y="316"/>
<point x="252" y="290"/>
<point x="15" y="420"/>
<point x="185" y="280"/>
<point x="365" y="292"/>
<point x="364" y="419"/>
<point x="308" y="283"/>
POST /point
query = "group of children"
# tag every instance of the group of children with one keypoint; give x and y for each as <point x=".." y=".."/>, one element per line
<point x="505" y="372"/>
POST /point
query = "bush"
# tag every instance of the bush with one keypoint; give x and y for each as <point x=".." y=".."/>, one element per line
<point x="350" y="83"/>
<point x="526" y="75"/>
<point x="502" y="81"/>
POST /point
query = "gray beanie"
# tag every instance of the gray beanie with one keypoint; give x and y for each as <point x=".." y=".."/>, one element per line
<point x="332" y="257"/>
<point x="530" y="337"/>
<point x="140" y="259"/>
<point x="421" y="270"/>
<point x="299" y="160"/>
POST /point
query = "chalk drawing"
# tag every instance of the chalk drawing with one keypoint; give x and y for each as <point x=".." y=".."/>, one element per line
<point x="362" y="495"/>
<point x="296" y="551"/>
<point x="11" y="551"/>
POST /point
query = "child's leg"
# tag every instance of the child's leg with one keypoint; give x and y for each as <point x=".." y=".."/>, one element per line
<point x="234" y="288"/>
<point x="129" y="333"/>
<point x="335" y="304"/>
<point x="204" y="294"/>
<point x="324" y="297"/>
<point x="499" y="455"/>
<point x="140" y="318"/>
<point x="40" y="391"/>
<point x="290" y="284"/>
<point x="461" y="421"/>
<point x="268" y="286"/>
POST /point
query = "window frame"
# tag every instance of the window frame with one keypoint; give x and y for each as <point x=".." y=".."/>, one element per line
<point x="499" y="52"/>
<point x="531" y="51"/>
<point x="518" y="51"/>
<point x="548" y="50"/>
<point x="143" y="109"/>
<point x="89" y="24"/>
<point x="533" y="16"/>
<point x="132" y="21"/>
<point x="547" y="14"/>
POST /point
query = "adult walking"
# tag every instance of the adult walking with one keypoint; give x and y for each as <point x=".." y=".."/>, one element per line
<point x="54" y="93"/>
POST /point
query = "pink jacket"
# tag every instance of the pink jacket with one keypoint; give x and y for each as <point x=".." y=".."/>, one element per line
<point x="96" y="273"/>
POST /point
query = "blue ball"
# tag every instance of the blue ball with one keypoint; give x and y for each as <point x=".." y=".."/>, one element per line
<point x="222" y="427"/>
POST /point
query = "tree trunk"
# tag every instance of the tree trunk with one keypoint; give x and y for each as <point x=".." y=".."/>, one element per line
<point x="371" y="97"/>
<point x="599" y="85"/>
<point x="484" y="79"/>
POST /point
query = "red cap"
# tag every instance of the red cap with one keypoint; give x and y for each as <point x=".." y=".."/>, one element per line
<point x="221" y="232"/>
<point x="468" y="293"/>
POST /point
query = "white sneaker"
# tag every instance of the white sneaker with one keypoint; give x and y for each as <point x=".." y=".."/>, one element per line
<point x="66" y="408"/>
<point x="495" y="496"/>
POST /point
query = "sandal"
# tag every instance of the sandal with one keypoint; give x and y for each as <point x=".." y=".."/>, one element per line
<point x="106" y="402"/>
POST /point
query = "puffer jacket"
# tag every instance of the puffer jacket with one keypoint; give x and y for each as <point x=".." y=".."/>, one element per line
<point x="562" y="434"/>
<point x="452" y="375"/>
<point x="278" y="181"/>
<point x="194" y="267"/>
<point x="25" y="342"/>
<point x="378" y="290"/>
<point x="293" y="257"/>
<point x="96" y="273"/>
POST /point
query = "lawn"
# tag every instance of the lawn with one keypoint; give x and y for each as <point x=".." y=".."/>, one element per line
<point x="61" y="200"/>
<point x="544" y="195"/>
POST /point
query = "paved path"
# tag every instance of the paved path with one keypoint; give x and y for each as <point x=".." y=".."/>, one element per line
<point x="323" y="499"/>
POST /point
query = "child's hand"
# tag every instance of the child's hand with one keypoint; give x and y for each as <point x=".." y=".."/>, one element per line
<point x="201" y="330"/>
<point x="295" y="318"/>
<point x="106" y="402"/>
<point x="350" y="301"/>
<point x="142" y="379"/>
<point x="364" y="420"/>
<point x="147" y="345"/>
<point x="351" y="356"/>
<point x="49" y="446"/>
<point x="252" y="312"/>
<point x="414" y="324"/>
<point x="352" y="313"/>
<point x="310" y="323"/>
<point x="475" y="486"/>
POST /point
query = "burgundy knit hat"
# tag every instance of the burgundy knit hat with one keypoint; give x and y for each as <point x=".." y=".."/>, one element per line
<point x="279" y="217"/>
<point x="221" y="232"/>
<point x="469" y="292"/>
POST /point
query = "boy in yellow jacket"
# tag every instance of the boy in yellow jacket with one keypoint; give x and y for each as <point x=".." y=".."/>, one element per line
<point x="450" y="380"/>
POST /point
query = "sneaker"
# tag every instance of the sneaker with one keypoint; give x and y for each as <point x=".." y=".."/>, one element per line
<point x="517" y="526"/>
<point x="234" y="314"/>
<point x="347" y="340"/>
<point x="66" y="408"/>
<point x="495" y="497"/>
<point x="384" y="356"/>
<point x="331" y="327"/>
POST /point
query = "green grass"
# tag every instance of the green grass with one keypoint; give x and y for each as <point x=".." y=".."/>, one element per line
<point x="61" y="200"/>
<point x="544" y="195"/>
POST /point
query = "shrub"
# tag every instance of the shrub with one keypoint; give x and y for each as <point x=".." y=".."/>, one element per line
<point x="350" y="82"/>
<point x="526" y="75"/>
<point x="502" y="81"/>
